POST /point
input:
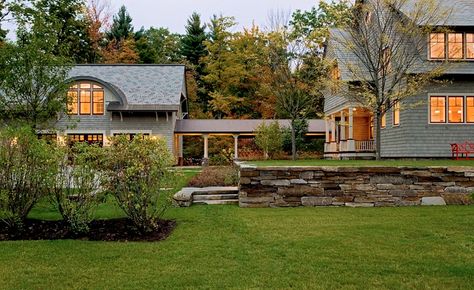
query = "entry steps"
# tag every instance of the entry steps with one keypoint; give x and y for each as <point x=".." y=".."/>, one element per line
<point x="207" y="195"/>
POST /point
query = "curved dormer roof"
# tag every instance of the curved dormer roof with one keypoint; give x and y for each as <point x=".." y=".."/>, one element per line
<point x="139" y="86"/>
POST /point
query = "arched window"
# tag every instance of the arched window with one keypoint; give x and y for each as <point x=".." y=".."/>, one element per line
<point x="86" y="98"/>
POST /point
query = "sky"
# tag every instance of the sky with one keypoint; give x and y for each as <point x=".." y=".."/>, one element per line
<point x="174" y="13"/>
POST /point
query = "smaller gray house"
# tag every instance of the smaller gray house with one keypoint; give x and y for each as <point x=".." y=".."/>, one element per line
<point x="108" y="100"/>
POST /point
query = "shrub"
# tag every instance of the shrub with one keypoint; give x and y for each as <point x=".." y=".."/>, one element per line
<point x="269" y="138"/>
<point x="27" y="171"/>
<point x="78" y="185"/>
<point x="137" y="172"/>
<point x="216" y="176"/>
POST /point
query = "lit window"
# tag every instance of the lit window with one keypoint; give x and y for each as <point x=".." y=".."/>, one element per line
<point x="98" y="102"/>
<point x="470" y="109"/>
<point x="384" y="121"/>
<point x="456" y="110"/>
<point x="368" y="17"/>
<point x="72" y="101"/>
<point x="87" y="138"/>
<point x="437" y="46"/>
<point x="438" y="109"/>
<point x="386" y="59"/>
<point x="396" y="114"/>
<point x="455" y="46"/>
<point x="336" y="73"/>
<point x="86" y="99"/>
<point x="470" y="45"/>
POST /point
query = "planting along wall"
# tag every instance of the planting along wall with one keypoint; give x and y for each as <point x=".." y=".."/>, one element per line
<point x="354" y="186"/>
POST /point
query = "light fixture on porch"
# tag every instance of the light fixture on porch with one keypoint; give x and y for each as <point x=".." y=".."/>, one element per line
<point x="437" y="111"/>
<point x="355" y="109"/>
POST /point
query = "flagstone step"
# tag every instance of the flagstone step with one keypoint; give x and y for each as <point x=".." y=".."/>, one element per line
<point x="215" y="197"/>
<point x="217" y="202"/>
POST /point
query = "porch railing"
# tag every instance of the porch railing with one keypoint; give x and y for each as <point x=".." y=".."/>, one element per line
<point x="365" y="146"/>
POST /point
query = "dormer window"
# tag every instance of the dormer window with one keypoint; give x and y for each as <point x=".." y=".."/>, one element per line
<point x="455" y="46"/>
<point x="86" y="98"/>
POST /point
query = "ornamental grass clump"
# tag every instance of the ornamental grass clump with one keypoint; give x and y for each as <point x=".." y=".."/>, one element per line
<point x="78" y="185"/>
<point x="138" y="175"/>
<point x="27" y="172"/>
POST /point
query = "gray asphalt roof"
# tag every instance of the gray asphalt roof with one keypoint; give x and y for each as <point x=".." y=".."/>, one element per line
<point x="225" y="126"/>
<point x="461" y="12"/>
<point x="140" y="84"/>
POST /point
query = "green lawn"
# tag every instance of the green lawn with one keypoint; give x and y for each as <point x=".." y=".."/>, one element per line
<point x="322" y="162"/>
<point x="228" y="247"/>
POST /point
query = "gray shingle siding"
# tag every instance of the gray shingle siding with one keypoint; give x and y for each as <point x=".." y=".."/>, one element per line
<point x="415" y="137"/>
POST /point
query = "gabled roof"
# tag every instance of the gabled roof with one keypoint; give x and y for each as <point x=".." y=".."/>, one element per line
<point x="226" y="126"/>
<point x="152" y="85"/>
<point x="461" y="12"/>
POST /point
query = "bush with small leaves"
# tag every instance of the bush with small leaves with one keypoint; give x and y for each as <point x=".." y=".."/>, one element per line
<point x="138" y="171"/>
<point x="27" y="173"/>
<point x="78" y="185"/>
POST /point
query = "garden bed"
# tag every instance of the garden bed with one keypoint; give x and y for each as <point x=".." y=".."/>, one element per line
<point x="100" y="230"/>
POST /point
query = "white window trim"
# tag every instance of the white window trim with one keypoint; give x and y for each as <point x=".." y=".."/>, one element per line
<point x="446" y="95"/>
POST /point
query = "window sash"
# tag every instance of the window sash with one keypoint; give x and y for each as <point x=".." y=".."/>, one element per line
<point x="470" y="109"/>
<point x="98" y="102"/>
<point x="437" y="46"/>
<point x="438" y="108"/>
<point x="86" y="99"/>
<point x="396" y="114"/>
<point x="85" y="102"/>
<point x="469" y="45"/>
<point x="455" y="109"/>
<point x="455" y="46"/>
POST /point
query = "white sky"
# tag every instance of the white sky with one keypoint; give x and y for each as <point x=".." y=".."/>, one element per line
<point x="174" y="13"/>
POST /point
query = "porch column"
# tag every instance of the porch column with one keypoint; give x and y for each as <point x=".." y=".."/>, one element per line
<point x="343" y="126"/>
<point x="350" y="141"/>
<point x="205" y="160"/>
<point x="326" y="121"/>
<point x="333" y="128"/>
<point x="351" y="123"/>
<point x="180" y="148"/>
<point x="236" y="146"/>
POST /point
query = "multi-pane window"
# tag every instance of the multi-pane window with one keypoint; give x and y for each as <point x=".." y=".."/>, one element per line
<point x="131" y="136"/>
<point x="470" y="45"/>
<point x="438" y="109"/>
<point x="437" y="46"/>
<point x="455" y="46"/>
<point x="470" y="109"/>
<point x="86" y="98"/>
<point x="456" y="109"/>
<point x="88" y="138"/>
<point x="384" y="121"/>
<point x="396" y="114"/>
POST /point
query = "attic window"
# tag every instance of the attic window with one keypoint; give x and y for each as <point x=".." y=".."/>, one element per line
<point x="386" y="59"/>
<point x="437" y="46"/>
<point x="470" y="45"/>
<point x="368" y="17"/>
<point x="336" y="72"/>
<point x="85" y="98"/>
<point x="455" y="46"/>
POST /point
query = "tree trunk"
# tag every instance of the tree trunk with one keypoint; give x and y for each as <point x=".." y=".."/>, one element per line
<point x="378" y="126"/>
<point x="293" y="140"/>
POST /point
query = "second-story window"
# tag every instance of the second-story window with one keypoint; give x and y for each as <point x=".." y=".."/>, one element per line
<point x="455" y="46"/>
<point x="86" y="98"/>
<point x="437" y="46"/>
<point x="470" y="45"/>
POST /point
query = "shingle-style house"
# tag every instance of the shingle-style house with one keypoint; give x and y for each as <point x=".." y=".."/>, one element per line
<point x="151" y="100"/>
<point x="107" y="100"/>
<point x="445" y="114"/>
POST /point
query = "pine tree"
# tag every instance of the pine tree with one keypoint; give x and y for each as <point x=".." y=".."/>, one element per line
<point x="192" y="43"/>
<point x="122" y="26"/>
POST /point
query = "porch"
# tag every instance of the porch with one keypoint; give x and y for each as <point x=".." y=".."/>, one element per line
<point x="350" y="134"/>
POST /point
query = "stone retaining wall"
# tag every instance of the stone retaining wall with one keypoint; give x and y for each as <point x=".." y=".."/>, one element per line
<point x="354" y="186"/>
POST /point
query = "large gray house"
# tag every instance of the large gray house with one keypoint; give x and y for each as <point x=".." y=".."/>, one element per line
<point x="444" y="114"/>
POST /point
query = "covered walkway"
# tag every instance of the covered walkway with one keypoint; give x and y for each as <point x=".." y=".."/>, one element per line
<point x="235" y="128"/>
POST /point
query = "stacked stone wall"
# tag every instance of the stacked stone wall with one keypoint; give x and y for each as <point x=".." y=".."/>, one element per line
<point x="353" y="186"/>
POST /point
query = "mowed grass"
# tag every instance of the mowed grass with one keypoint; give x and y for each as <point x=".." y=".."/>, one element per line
<point x="218" y="247"/>
<point x="401" y="162"/>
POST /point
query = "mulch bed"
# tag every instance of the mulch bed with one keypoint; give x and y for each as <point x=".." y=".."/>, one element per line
<point x="121" y="230"/>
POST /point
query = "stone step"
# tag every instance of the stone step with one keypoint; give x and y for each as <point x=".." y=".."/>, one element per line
<point x="217" y="202"/>
<point x="215" y="196"/>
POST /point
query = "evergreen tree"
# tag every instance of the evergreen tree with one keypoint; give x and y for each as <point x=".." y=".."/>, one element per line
<point x="121" y="26"/>
<point x="192" y="43"/>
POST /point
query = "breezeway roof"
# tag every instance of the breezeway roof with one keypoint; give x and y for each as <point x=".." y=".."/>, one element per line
<point x="225" y="126"/>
